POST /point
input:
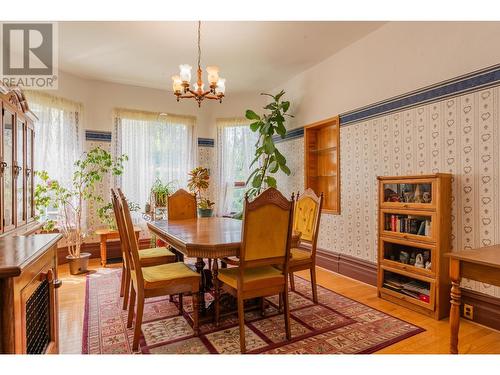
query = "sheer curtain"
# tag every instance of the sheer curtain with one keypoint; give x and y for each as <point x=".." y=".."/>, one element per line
<point x="235" y="151"/>
<point x="58" y="135"/>
<point x="157" y="146"/>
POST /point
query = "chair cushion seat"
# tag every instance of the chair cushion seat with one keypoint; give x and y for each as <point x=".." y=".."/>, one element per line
<point x="157" y="276"/>
<point x="300" y="254"/>
<point x="253" y="277"/>
<point x="155" y="256"/>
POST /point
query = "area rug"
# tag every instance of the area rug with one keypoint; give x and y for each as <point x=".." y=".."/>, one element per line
<point x="336" y="324"/>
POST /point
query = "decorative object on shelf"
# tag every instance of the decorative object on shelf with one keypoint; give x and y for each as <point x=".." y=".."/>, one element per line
<point x="426" y="197"/>
<point x="182" y="83"/>
<point x="416" y="231"/>
<point x="419" y="261"/>
<point x="160" y="192"/>
<point x="199" y="179"/>
<point x="404" y="257"/>
<point x="270" y="158"/>
<point x="90" y="169"/>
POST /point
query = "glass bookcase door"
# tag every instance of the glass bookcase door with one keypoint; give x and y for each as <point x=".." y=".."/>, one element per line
<point x="8" y="170"/>
<point x="19" y="173"/>
<point x="29" y="174"/>
<point x="408" y="194"/>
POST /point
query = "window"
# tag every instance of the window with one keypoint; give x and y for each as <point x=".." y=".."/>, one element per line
<point x="58" y="140"/>
<point x="236" y="149"/>
<point x="157" y="146"/>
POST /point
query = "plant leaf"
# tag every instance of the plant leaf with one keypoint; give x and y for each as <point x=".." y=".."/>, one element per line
<point x="274" y="166"/>
<point x="254" y="126"/>
<point x="279" y="157"/>
<point x="270" y="181"/>
<point x="285" y="169"/>
<point x="251" y="115"/>
<point x="285" y="106"/>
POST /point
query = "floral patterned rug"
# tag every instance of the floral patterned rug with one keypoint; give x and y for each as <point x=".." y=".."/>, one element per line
<point x="336" y="325"/>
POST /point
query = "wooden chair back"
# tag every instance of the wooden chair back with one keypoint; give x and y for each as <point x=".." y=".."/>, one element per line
<point x="266" y="230"/>
<point x="307" y="215"/>
<point x="181" y="205"/>
<point x="131" y="240"/>
<point x="122" y="231"/>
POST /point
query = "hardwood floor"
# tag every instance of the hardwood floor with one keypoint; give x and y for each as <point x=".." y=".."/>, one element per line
<point x="473" y="337"/>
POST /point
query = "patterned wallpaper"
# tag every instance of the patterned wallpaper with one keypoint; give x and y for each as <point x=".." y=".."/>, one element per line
<point x="459" y="135"/>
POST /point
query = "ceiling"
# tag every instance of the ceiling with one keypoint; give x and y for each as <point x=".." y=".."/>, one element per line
<point x="252" y="56"/>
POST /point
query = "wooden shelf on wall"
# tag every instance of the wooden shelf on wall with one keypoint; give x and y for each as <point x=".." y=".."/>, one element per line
<point x="322" y="166"/>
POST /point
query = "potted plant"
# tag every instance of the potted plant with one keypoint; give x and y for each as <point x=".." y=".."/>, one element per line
<point x="160" y="192"/>
<point x="68" y="202"/>
<point x="270" y="158"/>
<point x="107" y="216"/>
<point x="198" y="182"/>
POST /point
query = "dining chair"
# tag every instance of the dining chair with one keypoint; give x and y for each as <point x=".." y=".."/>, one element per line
<point x="181" y="205"/>
<point x="153" y="281"/>
<point x="148" y="257"/>
<point x="266" y="238"/>
<point x="307" y="215"/>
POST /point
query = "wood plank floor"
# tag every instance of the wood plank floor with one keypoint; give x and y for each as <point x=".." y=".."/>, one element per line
<point x="473" y="337"/>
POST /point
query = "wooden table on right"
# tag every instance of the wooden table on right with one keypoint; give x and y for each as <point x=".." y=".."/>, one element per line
<point x="482" y="265"/>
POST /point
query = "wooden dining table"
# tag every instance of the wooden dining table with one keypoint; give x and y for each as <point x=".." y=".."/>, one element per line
<point x="203" y="238"/>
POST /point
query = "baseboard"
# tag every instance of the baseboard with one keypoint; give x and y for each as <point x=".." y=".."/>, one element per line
<point x="355" y="268"/>
<point x="94" y="248"/>
<point x="486" y="307"/>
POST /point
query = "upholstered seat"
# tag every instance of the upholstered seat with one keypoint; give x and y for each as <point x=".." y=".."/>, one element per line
<point x="266" y="275"/>
<point x="156" y="276"/>
<point x="155" y="256"/>
<point x="298" y="254"/>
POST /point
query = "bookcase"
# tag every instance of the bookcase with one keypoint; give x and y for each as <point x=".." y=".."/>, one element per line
<point x="322" y="167"/>
<point x="414" y="233"/>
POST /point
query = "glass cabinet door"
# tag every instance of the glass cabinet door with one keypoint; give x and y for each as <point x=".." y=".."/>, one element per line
<point x="8" y="171"/>
<point x="29" y="174"/>
<point x="19" y="173"/>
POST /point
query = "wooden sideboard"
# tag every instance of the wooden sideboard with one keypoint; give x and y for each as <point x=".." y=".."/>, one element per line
<point x="28" y="294"/>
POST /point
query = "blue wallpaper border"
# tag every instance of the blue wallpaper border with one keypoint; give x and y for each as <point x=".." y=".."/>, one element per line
<point x="206" y="142"/>
<point x="100" y="136"/>
<point x="470" y="82"/>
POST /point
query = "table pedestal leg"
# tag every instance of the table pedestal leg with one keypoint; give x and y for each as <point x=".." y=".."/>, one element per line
<point x="200" y="265"/>
<point x="103" y="251"/>
<point x="455" y="305"/>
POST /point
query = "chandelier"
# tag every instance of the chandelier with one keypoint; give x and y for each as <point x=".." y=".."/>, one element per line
<point x="182" y="82"/>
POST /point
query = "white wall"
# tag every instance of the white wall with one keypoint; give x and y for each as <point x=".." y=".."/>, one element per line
<point x="395" y="59"/>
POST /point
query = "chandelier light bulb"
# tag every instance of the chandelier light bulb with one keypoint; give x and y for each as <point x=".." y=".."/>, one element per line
<point x="176" y="84"/>
<point x="213" y="74"/>
<point x="185" y="72"/>
<point x="221" y="86"/>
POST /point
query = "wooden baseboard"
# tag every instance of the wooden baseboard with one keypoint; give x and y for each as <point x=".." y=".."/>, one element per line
<point x="486" y="307"/>
<point x="347" y="265"/>
<point x="94" y="248"/>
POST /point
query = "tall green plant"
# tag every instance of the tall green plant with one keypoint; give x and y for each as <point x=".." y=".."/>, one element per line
<point x="90" y="169"/>
<point x="271" y="159"/>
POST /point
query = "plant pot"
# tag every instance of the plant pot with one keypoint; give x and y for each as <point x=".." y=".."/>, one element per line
<point x="78" y="265"/>
<point x="205" y="212"/>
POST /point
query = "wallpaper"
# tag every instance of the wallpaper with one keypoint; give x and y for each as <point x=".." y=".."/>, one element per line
<point x="459" y="135"/>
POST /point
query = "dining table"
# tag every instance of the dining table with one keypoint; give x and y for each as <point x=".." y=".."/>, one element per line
<point x="204" y="238"/>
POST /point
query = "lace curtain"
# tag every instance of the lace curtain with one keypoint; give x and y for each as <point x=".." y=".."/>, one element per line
<point x="158" y="146"/>
<point x="58" y="135"/>
<point x="235" y="152"/>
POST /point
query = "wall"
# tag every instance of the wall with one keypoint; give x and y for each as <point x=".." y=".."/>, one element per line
<point x="458" y="135"/>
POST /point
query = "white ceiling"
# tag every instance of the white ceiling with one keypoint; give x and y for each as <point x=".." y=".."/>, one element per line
<point x="252" y="56"/>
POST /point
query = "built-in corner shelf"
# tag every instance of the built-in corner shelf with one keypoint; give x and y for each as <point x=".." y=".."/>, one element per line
<point x="322" y="167"/>
<point x="414" y="233"/>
